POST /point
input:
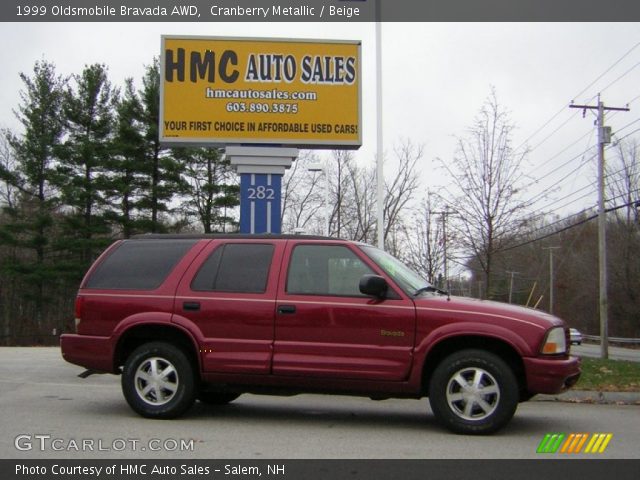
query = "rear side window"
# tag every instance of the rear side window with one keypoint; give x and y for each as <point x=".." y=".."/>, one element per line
<point x="139" y="264"/>
<point x="235" y="267"/>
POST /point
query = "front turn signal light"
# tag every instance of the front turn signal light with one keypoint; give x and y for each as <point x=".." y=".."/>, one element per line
<point x="555" y="342"/>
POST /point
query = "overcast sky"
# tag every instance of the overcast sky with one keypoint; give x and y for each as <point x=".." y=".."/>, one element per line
<point x="436" y="77"/>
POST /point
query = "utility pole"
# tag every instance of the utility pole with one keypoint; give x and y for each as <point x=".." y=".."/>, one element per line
<point x="379" y="131"/>
<point x="551" y="277"/>
<point x="604" y="137"/>
<point x="511" y="285"/>
<point x="445" y="214"/>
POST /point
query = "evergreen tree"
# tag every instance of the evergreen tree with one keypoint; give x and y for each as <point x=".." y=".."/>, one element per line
<point x="28" y="227"/>
<point x="163" y="172"/>
<point x="88" y="113"/>
<point x="213" y="192"/>
<point x="127" y="165"/>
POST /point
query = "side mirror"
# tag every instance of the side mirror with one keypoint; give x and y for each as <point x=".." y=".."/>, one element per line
<point x="374" y="285"/>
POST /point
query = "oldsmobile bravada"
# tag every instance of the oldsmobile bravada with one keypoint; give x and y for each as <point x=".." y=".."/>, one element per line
<point x="212" y="317"/>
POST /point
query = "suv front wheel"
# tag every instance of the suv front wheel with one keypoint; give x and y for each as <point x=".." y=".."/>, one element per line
<point x="158" y="381"/>
<point x="473" y="392"/>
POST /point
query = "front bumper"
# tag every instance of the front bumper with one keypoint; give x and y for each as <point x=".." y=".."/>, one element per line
<point x="551" y="375"/>
<point x="93" y="353"/>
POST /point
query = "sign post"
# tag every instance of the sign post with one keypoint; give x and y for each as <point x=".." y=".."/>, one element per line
<point x="260" y="203"/>
<point x="261" y="170"/>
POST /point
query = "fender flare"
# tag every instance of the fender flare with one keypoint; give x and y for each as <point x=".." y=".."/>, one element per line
<point x="158" y="319"/>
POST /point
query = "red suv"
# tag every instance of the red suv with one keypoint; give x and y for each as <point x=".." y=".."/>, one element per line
<point x="211" y="317"/>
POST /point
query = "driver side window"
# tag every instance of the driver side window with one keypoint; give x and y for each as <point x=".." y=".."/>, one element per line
<point x="325" y="270"/>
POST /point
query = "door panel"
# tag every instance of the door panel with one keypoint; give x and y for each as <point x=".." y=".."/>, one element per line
<point x="334" y="331"/>
<point x="228" y="294"/>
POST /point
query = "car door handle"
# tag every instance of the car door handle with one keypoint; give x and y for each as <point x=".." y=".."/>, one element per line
<point x="286" y="309"/>
<point x="191" y="306"/>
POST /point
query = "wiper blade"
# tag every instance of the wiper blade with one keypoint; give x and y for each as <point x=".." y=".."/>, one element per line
<point x="429" y="288"/>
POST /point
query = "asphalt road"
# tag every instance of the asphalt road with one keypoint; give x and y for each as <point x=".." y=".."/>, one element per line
<point x="48" y="412"/>
<point x="615" y="353"/>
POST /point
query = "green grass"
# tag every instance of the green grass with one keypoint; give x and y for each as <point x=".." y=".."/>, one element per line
<point x="609" y="376"/>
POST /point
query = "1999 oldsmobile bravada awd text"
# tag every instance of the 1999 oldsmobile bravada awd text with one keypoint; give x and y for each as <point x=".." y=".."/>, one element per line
<point x="212" y="317"/>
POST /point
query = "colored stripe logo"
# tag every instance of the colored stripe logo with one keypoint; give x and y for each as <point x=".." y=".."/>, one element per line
<point x="574" y="443"/>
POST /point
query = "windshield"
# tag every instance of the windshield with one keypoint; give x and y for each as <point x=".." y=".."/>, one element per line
<point x="406" y="278"/>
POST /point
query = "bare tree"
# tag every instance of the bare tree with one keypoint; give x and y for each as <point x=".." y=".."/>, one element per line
<point x="623" y="179"/>
<point x="302" y="199"/>
<point x="8" y="192"/>
<point x="399" y="192"/>
<point x="361" y="200"/>
<point x="352" y="195"/>
<point x="486" y="175"/>
<point x="339" y="175"/>
<point x="423" y="241"/>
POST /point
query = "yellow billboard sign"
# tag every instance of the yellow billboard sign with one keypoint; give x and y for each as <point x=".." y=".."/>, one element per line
<point x="224" y="91"/>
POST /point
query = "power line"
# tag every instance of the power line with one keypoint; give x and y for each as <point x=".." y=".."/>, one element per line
<point x="590" y="132"/>
<point x="628" y="103"/>
<point x="627" y="125"/>
<point x="564" y="229"/>
<point x="581" y="212"/>
<point x="584" y="162"/>
<point x="557" y="129"/>
<point x="554" y="132"/>
<point x="564" y="219"/>
<point x="541" y="128"/>
<point x="574" y="171"/>
<point x="620" y="77"/>
<point x="459" y="260"/>
<point x="544" y="210"/>
<point x="563" y="109"/>
<point x="607" y="71"/>
<point x="628" y="135"/>
<point x="564" y="205"/>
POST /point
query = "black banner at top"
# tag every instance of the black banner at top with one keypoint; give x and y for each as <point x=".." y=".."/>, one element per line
<point x="319" y="10"/>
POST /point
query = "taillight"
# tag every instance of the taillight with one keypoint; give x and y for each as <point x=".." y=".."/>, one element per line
<point x="78" y="310"/>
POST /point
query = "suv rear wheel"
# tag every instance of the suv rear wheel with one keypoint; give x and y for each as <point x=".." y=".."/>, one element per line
<point x="158" y="381"/>
<point x="473" y="392"/>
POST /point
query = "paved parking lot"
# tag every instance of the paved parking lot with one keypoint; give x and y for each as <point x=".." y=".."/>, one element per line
<point x="48" y="412"/>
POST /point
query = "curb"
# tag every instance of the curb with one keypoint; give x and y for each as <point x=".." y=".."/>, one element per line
<point x="593" y="397"/>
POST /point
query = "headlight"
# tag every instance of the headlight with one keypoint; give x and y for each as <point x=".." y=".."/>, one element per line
<point x="555" y="342"/>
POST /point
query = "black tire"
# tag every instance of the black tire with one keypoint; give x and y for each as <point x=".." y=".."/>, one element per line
<point x="473" y="392"/>
<point x="217" y="398"/>
<point x="158" y="381"/>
